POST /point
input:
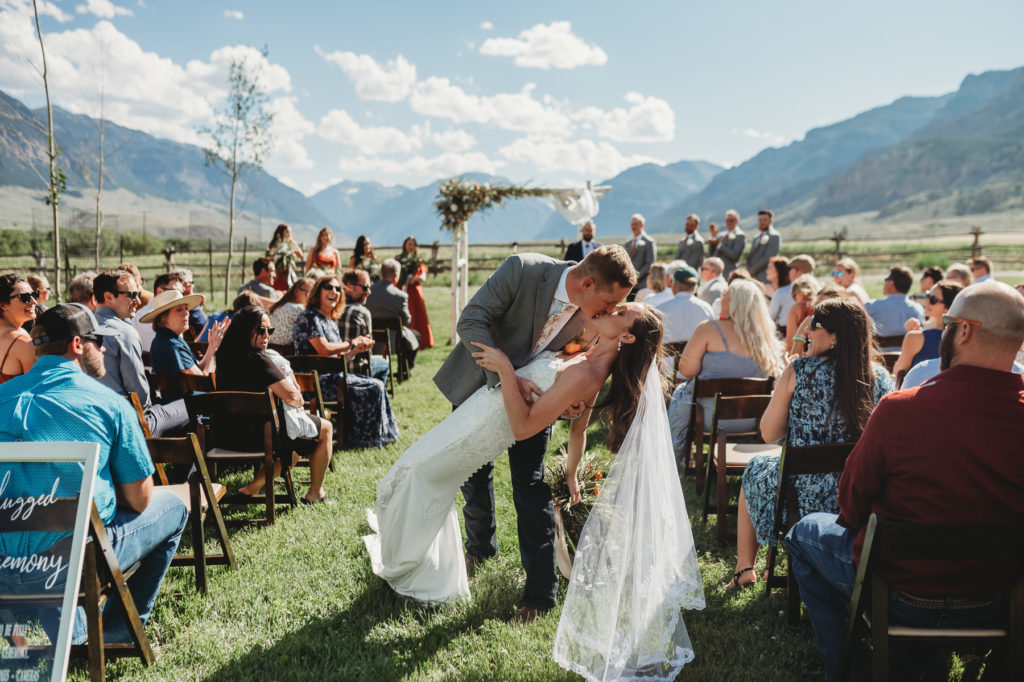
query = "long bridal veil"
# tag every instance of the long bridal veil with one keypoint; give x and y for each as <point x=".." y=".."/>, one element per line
<point x="635" y="566"/>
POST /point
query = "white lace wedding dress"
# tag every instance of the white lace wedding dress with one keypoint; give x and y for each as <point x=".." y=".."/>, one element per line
<point x="417" y="544"/>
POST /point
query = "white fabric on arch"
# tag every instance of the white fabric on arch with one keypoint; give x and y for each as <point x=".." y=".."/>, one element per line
<point x="576" y="205"/>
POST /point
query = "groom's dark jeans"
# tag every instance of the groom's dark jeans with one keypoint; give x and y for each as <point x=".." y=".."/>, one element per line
<point x="534" y="512"/>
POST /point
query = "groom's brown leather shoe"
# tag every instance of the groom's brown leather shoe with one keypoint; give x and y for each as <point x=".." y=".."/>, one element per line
<point x="526" y="614"/>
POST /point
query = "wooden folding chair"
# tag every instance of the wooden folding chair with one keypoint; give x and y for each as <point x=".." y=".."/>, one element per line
<point x="199" y="348"/>
<point x="328" y="365"/>
<point x="709" y="388"/>
<point x="388" y="334"/>
<point x="797" y="461"/>
<point x="889" y="359"/>
<point x="219" y="445"/>
<point x="285" y="349"/>
<point x="885" y="542"/>
<point x="731" y="458"/>
<point x="179" y="383"/>
<point x="309" y="383"/>
<point x="102" y="577"/>
<point x="893" y="341"/>
<point x="900" y="376"/>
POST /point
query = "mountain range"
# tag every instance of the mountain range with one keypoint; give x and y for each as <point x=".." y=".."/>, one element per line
<point x="958" y="153"/>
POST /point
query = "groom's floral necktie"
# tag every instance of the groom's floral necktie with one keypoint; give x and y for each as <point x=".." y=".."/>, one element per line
<point x="554" y="324"/>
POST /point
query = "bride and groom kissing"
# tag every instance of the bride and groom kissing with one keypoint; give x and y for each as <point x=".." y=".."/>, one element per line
<point x="635" y="565"/>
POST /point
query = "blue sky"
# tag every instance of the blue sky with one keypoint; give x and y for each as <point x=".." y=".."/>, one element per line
<point x="541" y="92"/>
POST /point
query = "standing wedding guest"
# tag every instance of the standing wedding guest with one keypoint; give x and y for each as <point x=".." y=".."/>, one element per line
<point x="387" y="302"/>
<point x="373" y="423"/>
<point x="803" y="290"/>
<point x="287" y="309"/>
<point x="764" y="245"/>
<point x="777" y="275"/>
<point x="364" y="258"/>
<point x="684" y="311"/>
<point x="80" y="290"/>
<point x="17" y="307"/>
<point x="657" y="290"/>
<point x="577" y="251"/>
<point x="60" y="400"/>
<point x="891" y="313"/>
<point x="981" y="268"/>
<point x="356" y="322"/>
<point x="411" y="279"/>
<point x="323" y="256"/>
<point x="728" y="247"/>
<point x="961" y="273"/>
<point x="641" y="249"/>
<point x="931" y="276"/>
<point x="713" y="285"/>
<point x="847" y="275"/>
<point x="286" y="254"/>
<point x="922" y="343"/>
<point x="170" y="353"/>
<point x="945" y="453"/>
<point x="824" y="398"/>
<point x="741" y="343"/>
<point x="691" y="246"/>
<point x="162" y="283"/>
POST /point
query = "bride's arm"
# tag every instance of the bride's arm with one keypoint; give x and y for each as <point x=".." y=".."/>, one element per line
<point x="577" y="446"/>
<point x="530" y="419"/>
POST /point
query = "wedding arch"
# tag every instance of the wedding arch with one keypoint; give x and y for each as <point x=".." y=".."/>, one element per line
<point x="458" y="200"/>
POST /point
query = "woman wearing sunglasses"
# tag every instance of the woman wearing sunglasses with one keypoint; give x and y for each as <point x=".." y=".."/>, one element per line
<point x="847" y="275"/>
<point x="245" y="364"/>
<point x="825" y="397"/>
<point x="923" y="344"/>
<point x="17" y="307"/>
<point x="316" y="332"/>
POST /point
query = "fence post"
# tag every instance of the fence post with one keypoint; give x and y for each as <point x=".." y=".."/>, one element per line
<point x="40" y="257"/>
<point x="245" y="246"/>
<point x="209" y="251"/>
<point x="976" y="248"/>
<point x="561" y="246"/>
<point x="434" y="264"/>
<point x="168" y="258"/>
<point x="838" y="238"/>
<point x="515" y="248"/>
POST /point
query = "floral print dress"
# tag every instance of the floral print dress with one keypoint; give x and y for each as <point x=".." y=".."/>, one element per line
<point x="372" y="423"/>
<point x="814" y="419"/>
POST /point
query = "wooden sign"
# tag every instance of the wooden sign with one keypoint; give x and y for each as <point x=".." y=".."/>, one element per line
<point x="45" y="500"/>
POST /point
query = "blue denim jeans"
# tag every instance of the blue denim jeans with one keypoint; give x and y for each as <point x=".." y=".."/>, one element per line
<point x="380" y="367"/>
<point x="821" y="556"/>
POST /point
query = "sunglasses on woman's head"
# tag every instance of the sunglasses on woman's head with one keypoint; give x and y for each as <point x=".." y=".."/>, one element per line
<point x="26" y="297"/>
<point x="269" y="331"/>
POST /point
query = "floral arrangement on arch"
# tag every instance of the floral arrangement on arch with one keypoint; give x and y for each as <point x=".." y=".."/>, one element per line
<point x="458" y="200"/>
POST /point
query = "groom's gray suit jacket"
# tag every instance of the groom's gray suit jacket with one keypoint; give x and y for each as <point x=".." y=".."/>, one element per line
<point x="508" y="312"/>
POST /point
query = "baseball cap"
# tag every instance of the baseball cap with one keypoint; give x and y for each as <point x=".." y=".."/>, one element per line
<point x="684" y="273"/>
<point x="64" y="322"/>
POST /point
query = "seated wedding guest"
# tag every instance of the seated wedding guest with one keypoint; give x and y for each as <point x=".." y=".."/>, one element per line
<point x="170" y="353"/>
<point x="245" y="364"/>
<point x="893" y="472"/>
<point x="124" y="371"/>
<point x="803" y="289"/>
<point x="162" y="283"/>
<point x="823" y="398"/>
<point x="287" y="309"/>
<point x="777" y="274"/>
<point x="197" y="319"/>
<point x="961" y="273"/>
<point x="931" y="276"/>
<point x="364" y="258"/>
<point x="891" y="313"/>
<point x="356" y="326"/>
<point x="783" y="300"/>
<point x="847" y="275"/>
<point x="741" y="343"/>
<point x="712" y="283"/>
<point x="17" y="308"/>
<point x="387" y="302"/>
<point x="411" y="277"/>
<point x="59" y="400"/>
<point x="262" y="283"/>
<point x="323" y="256"/>
<point x="39" y="283"/>
<point x="373" y="423"/>
<point x="145" y="296"/>
<point x="80" y="290"/>
<point x="657" y="290"/>
<point x="684" y="311"/>
<point x="981" y="268"/>
<point x="799" y="344"/>
<point x="922" y="343"/>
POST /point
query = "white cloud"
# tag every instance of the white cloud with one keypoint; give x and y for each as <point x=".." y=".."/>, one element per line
<point x="390" y="82"/>
<point x="234" y="14"/>
<point x="486" y="26"/>
<point x="424" y="168"/>
<point x="289" y="127"/>
<point x="338" y="126"/>
<point x="104" y="9"/>
<point x="586" y="157"/>
<point x="511" y="111"/>
<point x="15" y="9"/>
<point x="650" y="119"/>
<point x="771" y="138"/>
<point x="545" y="47"/>
<point x="454" y="140"/>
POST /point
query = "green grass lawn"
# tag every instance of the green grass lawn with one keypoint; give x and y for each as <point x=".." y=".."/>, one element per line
<point x="304" y="605"/>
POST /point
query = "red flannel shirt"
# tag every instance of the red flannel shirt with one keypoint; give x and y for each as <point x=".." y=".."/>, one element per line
<point x="948" y="452"/>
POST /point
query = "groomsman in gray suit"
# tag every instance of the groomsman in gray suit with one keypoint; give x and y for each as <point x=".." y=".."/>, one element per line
<point x="764" y="247"/>
<point x="530" y="304"/>
<point x="728" y="247"/>
<point x="691" y="247"/>
<point x="641" y="249"/>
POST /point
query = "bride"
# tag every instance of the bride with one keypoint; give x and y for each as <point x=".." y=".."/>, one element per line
<point x="635" y="566"/>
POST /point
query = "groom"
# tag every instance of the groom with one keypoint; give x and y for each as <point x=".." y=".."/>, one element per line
<point x="531" y="303"/>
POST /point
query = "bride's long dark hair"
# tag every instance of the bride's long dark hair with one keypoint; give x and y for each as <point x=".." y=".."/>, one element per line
<point x="629" y="371"/>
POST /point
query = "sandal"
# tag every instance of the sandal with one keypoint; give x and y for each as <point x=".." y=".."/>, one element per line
<point x="735" y="583"/>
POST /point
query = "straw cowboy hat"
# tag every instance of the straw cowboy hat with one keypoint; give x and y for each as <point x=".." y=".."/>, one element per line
<point x="168" y="299"/>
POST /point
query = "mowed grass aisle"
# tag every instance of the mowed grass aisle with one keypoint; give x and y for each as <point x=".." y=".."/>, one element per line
<point x="304" y="605"/>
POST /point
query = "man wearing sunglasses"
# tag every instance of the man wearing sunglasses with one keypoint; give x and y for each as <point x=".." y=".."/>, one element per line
<point x="125" y="373"/>
<point x="357" y="322"/>
<point x="946" y="452"/>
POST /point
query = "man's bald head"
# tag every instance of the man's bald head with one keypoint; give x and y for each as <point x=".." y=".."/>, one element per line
<point x="1000" y="310"/>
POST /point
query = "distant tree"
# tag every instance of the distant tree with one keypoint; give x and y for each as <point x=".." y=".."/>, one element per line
<point x="240" y="137"/>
